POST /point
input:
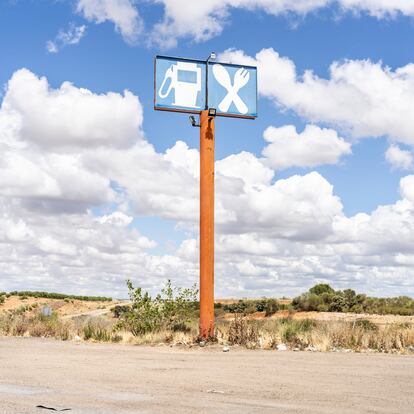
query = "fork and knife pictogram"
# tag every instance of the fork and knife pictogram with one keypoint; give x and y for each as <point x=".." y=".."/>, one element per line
<point x="241" y="78"/>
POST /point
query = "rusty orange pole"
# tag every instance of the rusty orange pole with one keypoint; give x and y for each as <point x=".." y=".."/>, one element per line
<point x="206" y="225"/>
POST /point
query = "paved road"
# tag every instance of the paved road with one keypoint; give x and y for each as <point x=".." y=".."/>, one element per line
<point x="116" y="379"/>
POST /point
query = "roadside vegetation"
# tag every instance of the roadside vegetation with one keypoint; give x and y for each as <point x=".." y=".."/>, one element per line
<point x="171" y="317"/>
<point x="172" y="309"/>
<point x="48" y="295"/>
<point x="360" y="335"/>
<point x="249" y="306"/>
<point x="323" y="298"/>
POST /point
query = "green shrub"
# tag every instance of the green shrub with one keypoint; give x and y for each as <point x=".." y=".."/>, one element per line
<point x="323" y="298"/>
<point x="177" y="305"/>
<point x="292" y="330"/>
<point x="48" y="295"/>
<point x="118" y="310"/>
<point x="97" y="333"/>
<point x="366" y="325"/>
<point x="271" y="307"/>
<point x="172" y="309"/>
<point x="321" y="289"/>
<point x="246" y="307"/>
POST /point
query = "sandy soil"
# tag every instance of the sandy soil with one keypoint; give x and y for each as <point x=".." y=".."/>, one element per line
<point x="114" y="379"/>
<point x="79" y="308"/>
<point x="63" y="308"/>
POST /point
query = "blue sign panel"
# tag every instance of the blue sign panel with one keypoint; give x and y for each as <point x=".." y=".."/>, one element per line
<point x="181" y="85"/>
<point x="232" y="89"/>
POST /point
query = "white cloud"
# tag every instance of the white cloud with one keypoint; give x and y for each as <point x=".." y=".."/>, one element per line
<point x="380" y="8"/>
<point x="77" y="253"/>
<point x="52" y="47"/>
<point x="246" y="167"/>
<point x="407" y="188"/>
<point x="296" y="208"/>
<point x="361" y="97"/>
<point x="313" y="147"/>
<point x="70" y="116"/>
<point x="274" y="237"/>
<point x="64" y="38"/>
<point x="398" y="158"/>
<point x="122" y="13"/>
<point x="203" y="20"/>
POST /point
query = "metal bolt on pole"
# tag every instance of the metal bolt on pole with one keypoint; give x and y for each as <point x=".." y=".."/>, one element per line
<point x="206" y="225"/>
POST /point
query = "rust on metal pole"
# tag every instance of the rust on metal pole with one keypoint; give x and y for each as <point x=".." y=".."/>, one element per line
<point x="206" y="225"/>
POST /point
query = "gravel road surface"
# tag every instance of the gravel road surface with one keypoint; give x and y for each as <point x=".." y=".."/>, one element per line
<point x="117" y="379"/>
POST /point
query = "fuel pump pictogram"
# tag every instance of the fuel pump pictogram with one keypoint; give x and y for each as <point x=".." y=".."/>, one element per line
<point x="185" y="79"/>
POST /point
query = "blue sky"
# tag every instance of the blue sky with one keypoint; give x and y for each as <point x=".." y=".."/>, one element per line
<point x="108" y="58"/>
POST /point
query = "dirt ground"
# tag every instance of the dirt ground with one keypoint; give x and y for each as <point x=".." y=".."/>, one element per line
<point x="115" y="379"/>
<point x="63" y="308"/>
<point x="73" y="308"/>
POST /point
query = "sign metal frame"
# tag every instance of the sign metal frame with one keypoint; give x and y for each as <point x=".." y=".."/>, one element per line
<point x="208" y="65"/>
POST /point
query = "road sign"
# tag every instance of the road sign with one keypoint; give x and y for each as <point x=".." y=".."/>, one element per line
<point x="232" y="90"/>
<point x="209" y="89"/>
<point x="183" y="85"/>
<point x="180" y="84"/>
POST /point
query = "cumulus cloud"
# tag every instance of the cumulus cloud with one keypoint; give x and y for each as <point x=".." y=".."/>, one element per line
<point x="204" y="20"/>
<point x="363" y="98"/>
<point x="65" y="38"/>
<point x="407" y="188"/>
<point x="398" y="158"/>
<point x="313" y="147"/>
<point x="77" y="253"/>
<point x="246" y="167"/>
<point x="380" y="8"/>
<point x="122" y="13"/>
<point x="274" y="236"/>
<point x="70" y="116"/>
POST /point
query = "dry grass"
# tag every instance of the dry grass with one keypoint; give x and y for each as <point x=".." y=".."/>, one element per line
<point x="36" y="325"/>
<point x="360" y="335"/>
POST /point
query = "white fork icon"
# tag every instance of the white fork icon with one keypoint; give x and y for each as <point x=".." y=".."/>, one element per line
<point x="241" y="78"/>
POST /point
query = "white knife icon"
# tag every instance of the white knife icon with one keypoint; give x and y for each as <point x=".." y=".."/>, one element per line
<point x="241" y="78"/>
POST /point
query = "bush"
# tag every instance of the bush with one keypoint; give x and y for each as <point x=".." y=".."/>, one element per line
<point x="2" y="299"/>
<point x="48" y="295"/>
<point x="271" y="307"/>
<point x="292" y="331"/>
<point x="118" y="310"/>
<point x="172" y="309"/>
<point x="321" y="289"/>
<point x="366" y="325"/>
<point x="246" y="307"/>
<point x="97" y="333"/>
<point x="241" y="332"/>
<point x="17" y="323"/>
<point x="323" y="298"/>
